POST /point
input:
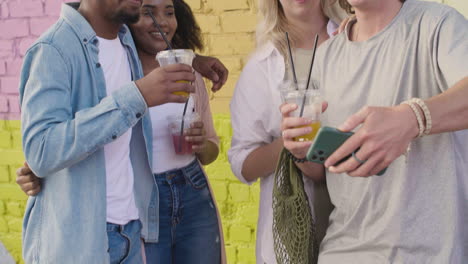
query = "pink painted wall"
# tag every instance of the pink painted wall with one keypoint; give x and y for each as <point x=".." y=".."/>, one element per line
<point x="21" y="22"/>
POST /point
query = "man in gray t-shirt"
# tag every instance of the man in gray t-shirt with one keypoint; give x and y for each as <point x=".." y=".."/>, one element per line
<point x="417" y="212"/>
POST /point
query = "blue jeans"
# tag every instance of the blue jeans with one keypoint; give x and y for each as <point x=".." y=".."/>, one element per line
<point x="125" y="243"/>
<point x="188" y="222"/>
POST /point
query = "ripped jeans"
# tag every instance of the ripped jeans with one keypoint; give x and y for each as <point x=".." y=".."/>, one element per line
<point x="188" y="223"/>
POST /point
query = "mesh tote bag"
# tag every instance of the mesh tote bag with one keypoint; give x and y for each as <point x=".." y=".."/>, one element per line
<point x="293" y="226"/>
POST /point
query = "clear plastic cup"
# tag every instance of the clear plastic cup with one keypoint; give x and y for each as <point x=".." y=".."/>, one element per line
<point x="181" y="146"/>
<point x="312" y="105"/>
<point x="168" y="57"/>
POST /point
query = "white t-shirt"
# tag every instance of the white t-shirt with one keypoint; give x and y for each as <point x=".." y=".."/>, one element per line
<point x="164" y="156"/>
<point x="121" y="206"/>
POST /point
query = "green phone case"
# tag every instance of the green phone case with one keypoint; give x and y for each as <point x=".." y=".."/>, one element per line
<point x="328" y="139"/>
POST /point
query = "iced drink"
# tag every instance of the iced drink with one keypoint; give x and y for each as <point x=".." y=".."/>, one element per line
<point x="181" y="146"/>
<point x="168" y="57"/>
<point x="312" y="106"/>
<point x="309" y="137"/>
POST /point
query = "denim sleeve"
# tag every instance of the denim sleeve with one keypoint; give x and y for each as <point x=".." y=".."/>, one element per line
<point x="55" y="136"/>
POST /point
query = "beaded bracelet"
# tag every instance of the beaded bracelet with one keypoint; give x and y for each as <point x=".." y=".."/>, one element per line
<point x="426" y="112"/>
<point x="298" y="160"/>
<point x="418" y="116"/>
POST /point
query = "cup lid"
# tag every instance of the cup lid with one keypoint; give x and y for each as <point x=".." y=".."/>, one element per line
<point x="175" y="52"/>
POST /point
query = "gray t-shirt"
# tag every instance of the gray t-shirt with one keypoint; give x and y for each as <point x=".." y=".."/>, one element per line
<point x="417" y="212"/>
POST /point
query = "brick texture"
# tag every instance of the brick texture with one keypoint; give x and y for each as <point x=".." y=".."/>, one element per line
<point x="228" y="30"/>
<point x="26" y="8"/>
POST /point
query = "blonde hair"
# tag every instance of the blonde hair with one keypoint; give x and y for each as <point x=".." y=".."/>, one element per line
<point x="273" y="23"/>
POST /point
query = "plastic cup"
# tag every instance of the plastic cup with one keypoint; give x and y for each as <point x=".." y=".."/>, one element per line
<point x="168" y="57"/>
<point x="181" y="146"/>
<point x="312" y="106"/>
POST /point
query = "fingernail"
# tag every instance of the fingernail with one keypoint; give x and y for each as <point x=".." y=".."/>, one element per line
<point x="332" y="169"/>
<point x="342" y="127"/>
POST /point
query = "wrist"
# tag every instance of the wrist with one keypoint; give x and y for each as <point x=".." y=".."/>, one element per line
<point x="295" y="159"/>
<point x="195" y="62"/>
<point x="413" y="121"/>
<point x="422" y="114"/>
<point x="139" y="85"/>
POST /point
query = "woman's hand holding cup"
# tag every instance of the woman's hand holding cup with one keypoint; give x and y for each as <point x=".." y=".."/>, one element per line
<point x="293" y="127"/>
<point x="196" y="135"/>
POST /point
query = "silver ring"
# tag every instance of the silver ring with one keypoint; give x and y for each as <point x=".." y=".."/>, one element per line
<point x="282" y="133"/>
<point x="358" y="159"/>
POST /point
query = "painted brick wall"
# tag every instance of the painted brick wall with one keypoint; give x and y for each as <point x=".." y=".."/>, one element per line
<point x="227" y="26"/>
<point x="228" y="33"/>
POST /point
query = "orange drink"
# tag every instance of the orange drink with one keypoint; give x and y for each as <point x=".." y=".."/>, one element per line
<point x="309" y="105"/>
<point x="184" y="94"/>
<point x="168" y="57"/>
<point x="309" y="137"/>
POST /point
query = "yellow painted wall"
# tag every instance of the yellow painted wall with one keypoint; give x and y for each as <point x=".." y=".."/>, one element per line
<point x="228" y="29"/>
<point x="229" y="33"/>
<point x="12" y="200"/>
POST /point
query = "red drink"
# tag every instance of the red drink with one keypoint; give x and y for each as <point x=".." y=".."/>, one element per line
<point x="181" y="146"/>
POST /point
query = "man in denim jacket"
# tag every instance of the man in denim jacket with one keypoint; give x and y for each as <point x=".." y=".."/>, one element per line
<point x="68" y="118"/>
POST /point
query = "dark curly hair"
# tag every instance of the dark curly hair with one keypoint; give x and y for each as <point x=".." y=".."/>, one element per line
<point x="348" y="8"/>
<point x="188" y="33"/>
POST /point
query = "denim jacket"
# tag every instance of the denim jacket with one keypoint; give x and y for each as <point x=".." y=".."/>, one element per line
<point x="67" y="118"/>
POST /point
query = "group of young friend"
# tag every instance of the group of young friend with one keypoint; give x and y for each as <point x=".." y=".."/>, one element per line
<point x="110" y="189"/>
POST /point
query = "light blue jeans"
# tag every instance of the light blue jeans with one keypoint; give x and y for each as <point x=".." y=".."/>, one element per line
<point x="188" y="227"/>
<point x="125" y="243"/>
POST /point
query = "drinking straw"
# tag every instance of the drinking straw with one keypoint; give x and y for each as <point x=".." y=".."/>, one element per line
<point x="292" y="62"/>
<point x="175" y="57"/>
<point x="310" y="73"/>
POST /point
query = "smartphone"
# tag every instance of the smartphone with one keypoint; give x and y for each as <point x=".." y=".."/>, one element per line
<point x="328" y="140"/>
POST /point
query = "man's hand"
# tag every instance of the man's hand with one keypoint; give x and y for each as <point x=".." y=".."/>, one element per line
<point x="159" y="86"/>
<point x="27" y="180"/>
<point x="384" y="136"/>
<point x="212" y="69"/>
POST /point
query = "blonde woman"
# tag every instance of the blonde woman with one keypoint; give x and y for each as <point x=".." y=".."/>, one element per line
<point x="256" y="120"/>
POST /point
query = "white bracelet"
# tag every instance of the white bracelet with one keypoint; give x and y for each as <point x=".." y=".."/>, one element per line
<point x="427" y="114"/>
<point x="418" y="116"/>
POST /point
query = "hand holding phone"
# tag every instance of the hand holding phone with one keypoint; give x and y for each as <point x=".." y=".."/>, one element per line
<point x="328" y="140"/>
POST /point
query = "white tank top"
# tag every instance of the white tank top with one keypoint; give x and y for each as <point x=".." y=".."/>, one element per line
<point x="164" y="156"/>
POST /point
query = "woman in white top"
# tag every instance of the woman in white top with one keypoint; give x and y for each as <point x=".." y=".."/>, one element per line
<point x="188" y="220"/>
<point x="255" y="115"/>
